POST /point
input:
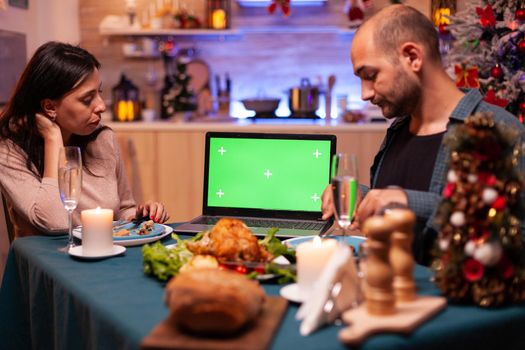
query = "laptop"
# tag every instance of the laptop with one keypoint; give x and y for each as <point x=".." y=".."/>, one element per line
<point x="267" y="180"/>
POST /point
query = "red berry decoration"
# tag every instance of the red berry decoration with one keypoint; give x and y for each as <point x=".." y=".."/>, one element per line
<point x="520" y="15"/>
<point x="521" y="46"/>
<point x="496" y="72"/>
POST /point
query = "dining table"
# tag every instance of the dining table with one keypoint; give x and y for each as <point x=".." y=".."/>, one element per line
<point x="50" y="300"/>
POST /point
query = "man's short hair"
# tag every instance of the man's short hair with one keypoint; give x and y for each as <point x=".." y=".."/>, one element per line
<point x="402" y="24"/>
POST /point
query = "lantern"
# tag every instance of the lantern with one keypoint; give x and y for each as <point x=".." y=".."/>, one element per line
<point x="218" y="14"/>
<point x="441" y="9"/>
<point x="125" y="101"/>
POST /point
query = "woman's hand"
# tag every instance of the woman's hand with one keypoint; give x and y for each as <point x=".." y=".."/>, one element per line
<point x="48" y="129"/>
<point x="154" y="210"/>
<point x="50" y="132"/>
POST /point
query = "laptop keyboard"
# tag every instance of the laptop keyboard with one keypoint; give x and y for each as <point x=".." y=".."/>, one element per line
<point x="300" y="225"/>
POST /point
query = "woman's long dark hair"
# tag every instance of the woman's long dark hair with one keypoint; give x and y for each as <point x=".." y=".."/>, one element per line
<point x="53" y="71"/>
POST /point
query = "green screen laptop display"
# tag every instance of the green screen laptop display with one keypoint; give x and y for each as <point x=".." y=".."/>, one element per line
<point x="268" y="173"/>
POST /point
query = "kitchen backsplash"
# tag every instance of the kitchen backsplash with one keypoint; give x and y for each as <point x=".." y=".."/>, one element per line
<point x="269" y="55"/>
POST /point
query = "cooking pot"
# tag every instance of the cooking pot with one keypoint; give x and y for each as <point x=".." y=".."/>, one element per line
<point x="304" y="98"/>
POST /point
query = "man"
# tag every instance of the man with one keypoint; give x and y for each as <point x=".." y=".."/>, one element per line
<point x="396" y="55"/>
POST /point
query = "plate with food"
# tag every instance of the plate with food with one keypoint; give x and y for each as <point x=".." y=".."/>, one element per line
<point x="131" y="234"/>
<point x="230" y="245"/>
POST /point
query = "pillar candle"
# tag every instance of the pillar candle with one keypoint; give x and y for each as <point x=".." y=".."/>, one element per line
<point x="312" y="257"/>
<point x="97" y="231"/>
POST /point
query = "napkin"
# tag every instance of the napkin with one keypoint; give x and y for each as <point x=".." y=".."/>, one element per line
<point x="337" y="289"/>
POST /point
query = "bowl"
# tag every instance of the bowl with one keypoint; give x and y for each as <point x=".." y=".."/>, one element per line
<point x="261" y="105"/>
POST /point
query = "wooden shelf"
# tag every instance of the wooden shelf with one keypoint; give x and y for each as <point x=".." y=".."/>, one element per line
<point x="228" y="32"/>
<point x="168" y="32"/>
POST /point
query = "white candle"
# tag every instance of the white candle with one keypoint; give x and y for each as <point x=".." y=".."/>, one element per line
<point x="312" y="257"/>
<point x="97" y="231"/>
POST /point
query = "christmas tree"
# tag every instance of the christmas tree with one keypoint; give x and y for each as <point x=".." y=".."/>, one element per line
<point x="489" y="51"/>
<point x="176" y="95"/>
<point x="479" y="255"/>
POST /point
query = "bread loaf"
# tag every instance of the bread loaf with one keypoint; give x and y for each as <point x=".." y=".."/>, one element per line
<point x="213" y="302"/>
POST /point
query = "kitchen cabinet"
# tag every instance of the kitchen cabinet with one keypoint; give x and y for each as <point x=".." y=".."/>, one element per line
<point x="170" y="156"/>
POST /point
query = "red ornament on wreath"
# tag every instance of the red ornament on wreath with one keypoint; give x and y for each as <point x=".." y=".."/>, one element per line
<point x="491" y="98"/>
<point x="521" y="46"/>
<point x="522" y="107"/>
<point x="466" y="77"/>
<point x="443" y="29"/>
<point x="520" y="15"/>
<point x="486" y="16"/>
<point x="283" y="4"/>
<point x="496" y="72"/>
<point x="473" y="270"/>
<point x="355" y="10"/>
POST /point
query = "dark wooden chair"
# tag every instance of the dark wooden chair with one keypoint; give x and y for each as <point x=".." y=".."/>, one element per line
<point x="6" y="226"/>
<point x="6" y="234"/>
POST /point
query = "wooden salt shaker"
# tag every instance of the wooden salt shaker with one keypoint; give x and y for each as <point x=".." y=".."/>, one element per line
<point x="402" y="222"/>
<point x="378" y="291"/>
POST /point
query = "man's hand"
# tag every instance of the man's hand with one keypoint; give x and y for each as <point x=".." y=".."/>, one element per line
<point x="327" y="203"/>
<point x="374" y="201"/>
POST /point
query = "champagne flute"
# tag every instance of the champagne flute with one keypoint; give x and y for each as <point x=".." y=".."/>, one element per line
<point x="69" y="184"/>
<point x="344" y="188"/>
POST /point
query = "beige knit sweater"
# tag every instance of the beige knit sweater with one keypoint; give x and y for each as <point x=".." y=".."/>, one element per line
<point x="34" y="203"/>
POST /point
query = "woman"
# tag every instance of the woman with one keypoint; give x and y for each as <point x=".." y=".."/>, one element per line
<point x="57" y="102"/>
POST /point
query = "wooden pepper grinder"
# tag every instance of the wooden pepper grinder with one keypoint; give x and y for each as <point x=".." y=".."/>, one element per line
<point x="378" y="291"/>
<point x="402" y="222"/>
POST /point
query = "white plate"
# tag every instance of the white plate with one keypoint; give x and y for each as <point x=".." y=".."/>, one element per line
<point x="77" y="252"/>
<point x="291" y="292"/>
<point x="77" y="232"/>
<point x="354" y="241"/>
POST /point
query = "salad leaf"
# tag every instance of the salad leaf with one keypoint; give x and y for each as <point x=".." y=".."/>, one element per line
<point x="163" y="263"/>
<point x="286" y="275"/>
<point x="275" y="247"/>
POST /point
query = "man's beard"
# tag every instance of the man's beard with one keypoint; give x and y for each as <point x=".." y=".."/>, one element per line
<point x="404" y="94"/>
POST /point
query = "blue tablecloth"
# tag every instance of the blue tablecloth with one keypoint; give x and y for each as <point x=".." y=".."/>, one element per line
<point x="50" y="300"/>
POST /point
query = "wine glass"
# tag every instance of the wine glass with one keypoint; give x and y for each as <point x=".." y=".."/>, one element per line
<point x="69" y="184"/>
<point x="344" y="188"/>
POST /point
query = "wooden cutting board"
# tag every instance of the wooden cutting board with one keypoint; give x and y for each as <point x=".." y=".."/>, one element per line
<point x="258" y="336"/>
<point x="408" y="316"/>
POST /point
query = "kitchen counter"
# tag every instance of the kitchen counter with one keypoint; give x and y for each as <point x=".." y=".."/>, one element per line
<point x="168" y="163"/>
<point x="243" y="124"/>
